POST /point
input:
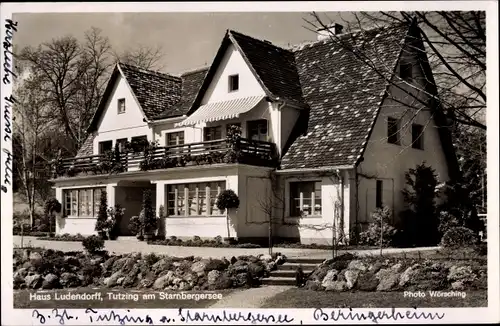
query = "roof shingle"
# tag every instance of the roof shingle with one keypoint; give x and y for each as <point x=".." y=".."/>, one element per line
<point x="344" y="95"/>
<point x="155" y="91"/>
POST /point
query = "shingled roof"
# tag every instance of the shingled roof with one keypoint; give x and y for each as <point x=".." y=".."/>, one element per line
<point x="274" y="66"/>
<point x="191" y="83"/>
<point x="344" y="95"/>
<point x="156" y="92"/>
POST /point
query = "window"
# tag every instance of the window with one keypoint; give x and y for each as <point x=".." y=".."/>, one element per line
<point x="393" y="131"/>
<point x="121" y="105"/>
<point x="305" y="198"/>
<point x="417" y="136"/>
<point x="121" y="143"/>
<point x="405" y="71"/>
<point x="257" y="130"/>
<point x="105" y="146"/>
<point x="82" y="202"/>
<point x="138" y="143"/>
<point x="212" y="133"/>
<point x="175" y="138"/>
<point x="234" y="83"/>
<point x="378" y="194"/>
<point x="194" y="199"/>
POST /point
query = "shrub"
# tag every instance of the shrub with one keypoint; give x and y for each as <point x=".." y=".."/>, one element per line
<point x="102" y="224"/>
<point x="115" y="215"/>
<point x="93" y="243"/>
<point x="447" y="221"/>
<point x="380" y="227"/>
<point x="52" y="206"/>
<point x="150" y="220"/>
<point x="420" y="197"/>
<point x="227" y="199"/>
<point x="458" y="237"/>
<point x="135" y="225"/>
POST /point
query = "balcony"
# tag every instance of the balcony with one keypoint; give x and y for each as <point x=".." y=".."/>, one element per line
<point x="152" y="157"/>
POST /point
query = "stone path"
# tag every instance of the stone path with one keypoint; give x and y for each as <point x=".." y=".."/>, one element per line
<point x="249" y="298"/>
<point x="122" y="246"/>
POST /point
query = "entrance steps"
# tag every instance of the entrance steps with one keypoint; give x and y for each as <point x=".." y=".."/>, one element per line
<point x="285" y="274"/>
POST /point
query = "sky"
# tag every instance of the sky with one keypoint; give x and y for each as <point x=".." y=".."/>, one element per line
<point x="188" y="40"/>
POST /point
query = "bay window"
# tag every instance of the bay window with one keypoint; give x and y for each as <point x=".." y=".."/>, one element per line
<point x="82" y="202"/>
<point x="194" y="199"/>
<point x="305" y="198"/>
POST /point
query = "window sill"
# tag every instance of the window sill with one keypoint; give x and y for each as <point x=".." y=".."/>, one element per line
<point x="194" y="216"/>
<point x="305" y="216"/>
<point x="80" y="218"/>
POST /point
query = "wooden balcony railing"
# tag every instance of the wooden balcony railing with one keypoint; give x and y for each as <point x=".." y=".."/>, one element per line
<point x="243" y="150"/>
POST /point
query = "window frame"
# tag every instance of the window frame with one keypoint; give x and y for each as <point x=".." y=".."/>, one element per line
<point x="119" y="102"/>
<point x="315" y="212"/>
<point x="72" y="208"/>
<point x="100" y="146"/>
<point x="258" y="125"/>
<point x="177" y="138"/>
<point x="418" y="142"/>
<point x="393" y="122"/>
<point x="231" y="83"/>
<point x="208" y="129"/>
<point x="198" y="196"/>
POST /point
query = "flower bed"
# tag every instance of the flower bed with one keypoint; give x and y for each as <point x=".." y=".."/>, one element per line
<point x="349" y="273"/>
<point x="49" y="269"/>
<point x="198" y="242"/>
<point x="65" y="237"/>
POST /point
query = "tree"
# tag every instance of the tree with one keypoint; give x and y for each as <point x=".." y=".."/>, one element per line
<point x="71" y="77"/>
<point x="420" y="196"/>
<point x="142" y="56"/>
<point x="30" y="125"/>
<point x="455" y="48"/>
<point x="453" y="45"/>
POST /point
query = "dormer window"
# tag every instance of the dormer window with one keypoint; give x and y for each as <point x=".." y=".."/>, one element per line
<point x="234" y="83"/>
<point x="121" y="106"/>
<point x="405" y="71"/>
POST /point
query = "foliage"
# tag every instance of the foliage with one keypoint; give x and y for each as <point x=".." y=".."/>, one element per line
<point x="149" y="162"/>
<point x="93" y="243"/>
<point x="233" y="140"/>
<point x="52" y="206"/>
<point x="459" y="237"/>
<point x="455" y="45"/>
<point x="103" y="224"/>
<point x="65" y="237"/>
<point x="115" y="215"/>
<point x="447" y="221"/>
<point x="227" y="199"/>
<point x="135" y="225"/>
<point x="420" y="195"/>
<point x="380" y="226"/>
<point x="150" y="220"/>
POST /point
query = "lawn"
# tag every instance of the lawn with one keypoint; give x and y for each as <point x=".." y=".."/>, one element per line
<point x="301" y="298"/>
<point x="22" y="299"/>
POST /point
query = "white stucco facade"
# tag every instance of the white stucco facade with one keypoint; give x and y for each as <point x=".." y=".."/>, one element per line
<point x="347" y="194"/>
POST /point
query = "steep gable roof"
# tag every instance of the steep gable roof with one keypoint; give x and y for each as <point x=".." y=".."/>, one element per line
<point x="155" y="91"/>
<point x="344" y="95"/>
<point x="191" y="83"/>
<point x="273" y="67"/>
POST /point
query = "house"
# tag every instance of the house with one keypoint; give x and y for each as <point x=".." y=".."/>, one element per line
<point x="325" y="139"/>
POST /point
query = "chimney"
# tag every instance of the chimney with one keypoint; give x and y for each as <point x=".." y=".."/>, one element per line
<point x="325" y="33"/>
